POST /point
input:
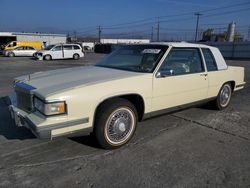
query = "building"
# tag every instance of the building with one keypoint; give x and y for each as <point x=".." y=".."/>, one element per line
<point x="227" y="36"/>
<point x="124" y="41"/>
<point x="45" y="38"/>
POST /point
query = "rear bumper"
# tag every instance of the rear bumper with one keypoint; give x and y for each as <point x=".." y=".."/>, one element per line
<point x="50" y="131"/>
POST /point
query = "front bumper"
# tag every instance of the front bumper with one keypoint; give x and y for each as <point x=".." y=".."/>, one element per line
<point x="67" y="128"/>
<point x="38" y="56"/>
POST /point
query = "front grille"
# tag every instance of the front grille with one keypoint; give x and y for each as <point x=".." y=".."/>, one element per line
<point x="24" y="101"/>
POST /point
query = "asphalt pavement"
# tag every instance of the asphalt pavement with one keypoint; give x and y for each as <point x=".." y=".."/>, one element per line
<point x="197" y="147"/>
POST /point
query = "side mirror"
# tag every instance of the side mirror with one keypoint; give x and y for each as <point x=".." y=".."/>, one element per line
<point x="164" y="73"/>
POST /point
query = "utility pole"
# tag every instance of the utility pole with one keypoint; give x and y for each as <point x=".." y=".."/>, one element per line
<point x="158" y="30"/>
<point x="152" y="34"/>
<point x="75" y="38"/>
<point x="248" y="34"/>
<point x="197" y="24"/>
<point x="99" y="33"/>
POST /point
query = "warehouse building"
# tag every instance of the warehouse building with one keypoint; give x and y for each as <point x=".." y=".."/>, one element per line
<point x="46" y="39"/>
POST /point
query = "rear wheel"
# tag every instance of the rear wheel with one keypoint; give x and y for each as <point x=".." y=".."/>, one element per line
<point x="223" y="99"/>
<point x="115" y="123"/>
<point x="11" y="54"/>
<point x="76" y="56"/>
<point x="47" y="57"/>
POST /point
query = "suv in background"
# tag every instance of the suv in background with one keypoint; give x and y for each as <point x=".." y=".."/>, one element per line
<point x="60" y="51"/>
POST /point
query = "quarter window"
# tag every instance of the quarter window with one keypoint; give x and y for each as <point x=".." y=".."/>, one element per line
<point x="209" y="59"/>
<point x="76" y="47"/>
<point x="30" y="48"/>
<point x="183" y="61"/>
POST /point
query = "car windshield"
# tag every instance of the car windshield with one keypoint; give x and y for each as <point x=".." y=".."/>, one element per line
<point x="49" y="47"/>
<point x="137" y="58"/>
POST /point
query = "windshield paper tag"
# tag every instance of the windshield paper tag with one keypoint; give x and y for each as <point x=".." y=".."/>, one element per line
<point x="151" y="51"/>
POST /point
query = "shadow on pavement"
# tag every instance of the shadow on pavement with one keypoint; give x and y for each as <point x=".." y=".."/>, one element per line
<point x="8" y="129"/>
<point x="86" y="140"/>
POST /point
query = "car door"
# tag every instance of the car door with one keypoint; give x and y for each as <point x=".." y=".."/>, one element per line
<point x="68" y="51"/>
<point x="19" y="51"/>
<point x="30" y="51"/>
<point x="57" y="52"/>
<point x="24" y="51"/>
<point x="181" y="79"/>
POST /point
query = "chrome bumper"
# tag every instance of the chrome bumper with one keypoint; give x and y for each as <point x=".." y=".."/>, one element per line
<point x="21" y="120"/>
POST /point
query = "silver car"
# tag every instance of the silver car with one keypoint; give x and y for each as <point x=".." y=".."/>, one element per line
<point x="20" y="51"/>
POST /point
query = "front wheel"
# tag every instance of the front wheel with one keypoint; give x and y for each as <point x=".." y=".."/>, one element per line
<point x="11" y="54"/>
<point x="223" y="99"/>
<point x="47" y="57"/>
<point x="115" y="123"/>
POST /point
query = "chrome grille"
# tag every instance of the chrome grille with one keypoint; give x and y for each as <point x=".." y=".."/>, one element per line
<point x="24" y="101"/>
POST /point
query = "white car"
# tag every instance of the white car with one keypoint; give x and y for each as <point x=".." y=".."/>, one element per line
<point x="60" y="51"/>
<point x="20" y="51"/>
<point x="132" y="83"/>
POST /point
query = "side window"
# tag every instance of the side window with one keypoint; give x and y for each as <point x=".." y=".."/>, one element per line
<point x="19" y="48"/>
<point x="14" y="43"/>
<point x="57" y="48"/>
<point x="209" y="59"/>
<point x="76" y="47"/>
<point x="30" y="48"/>
<point x="183" y="61"/>
<point x="67" y="47"/>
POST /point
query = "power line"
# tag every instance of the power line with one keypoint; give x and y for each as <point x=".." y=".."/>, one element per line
<point x="228" y="12"/>
<point x="176" y="15"/>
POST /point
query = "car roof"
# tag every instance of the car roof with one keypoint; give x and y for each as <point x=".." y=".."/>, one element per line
<point x="182" y="44"/>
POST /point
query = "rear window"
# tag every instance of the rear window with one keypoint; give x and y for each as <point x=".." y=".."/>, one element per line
<point x="76" y="47"/>
<point x="209" y="59"/>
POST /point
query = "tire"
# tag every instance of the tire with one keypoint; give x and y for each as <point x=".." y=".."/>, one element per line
<point x="115" y="123"/>
<point x="224" y="96"/>
<point x="47" y="57"/>
<point x="11" y="54"/>
<point x="76" y="56"/>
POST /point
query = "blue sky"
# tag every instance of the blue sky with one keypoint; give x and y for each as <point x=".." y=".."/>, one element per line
<point x="83" y="16"/>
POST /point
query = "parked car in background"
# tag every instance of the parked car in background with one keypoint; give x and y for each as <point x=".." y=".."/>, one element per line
<point x="132" y="83"/>
<point x="60" y="51"/>
<point x="20" y="51"/>
<point x="14" y="44"/>
<point x="87" y="48"/>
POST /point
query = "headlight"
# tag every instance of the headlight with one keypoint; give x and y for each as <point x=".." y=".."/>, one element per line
<point x="53" y="108"/>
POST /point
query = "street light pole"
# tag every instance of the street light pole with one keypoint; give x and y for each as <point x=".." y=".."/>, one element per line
<point x="197" y="24"/>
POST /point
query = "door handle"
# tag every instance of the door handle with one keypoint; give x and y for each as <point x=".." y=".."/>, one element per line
<point x="204" y="74"/>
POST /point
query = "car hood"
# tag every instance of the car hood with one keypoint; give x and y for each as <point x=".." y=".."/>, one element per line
<point x="55" y="81"/>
